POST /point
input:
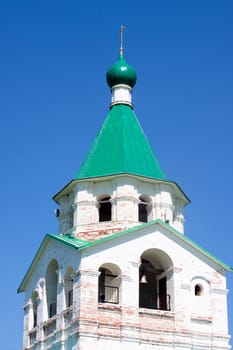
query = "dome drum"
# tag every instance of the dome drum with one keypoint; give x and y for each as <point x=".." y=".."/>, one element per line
<point x="121" y="94"/>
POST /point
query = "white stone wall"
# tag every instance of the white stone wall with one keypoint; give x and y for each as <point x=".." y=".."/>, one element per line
<point x="194" y="322"/>
<point x="79" y="209"/>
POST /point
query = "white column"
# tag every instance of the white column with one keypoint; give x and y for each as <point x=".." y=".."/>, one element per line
<point x="76" y="294"/>
<point x="43" y="305"/>
<point x="27" y="308"/>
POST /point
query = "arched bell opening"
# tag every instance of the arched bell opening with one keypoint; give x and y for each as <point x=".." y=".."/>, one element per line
<point x="109" y="283"/>
<point x="155" y="276"/>
<point x="105" y="208"/>
<point x="51" y="280"/>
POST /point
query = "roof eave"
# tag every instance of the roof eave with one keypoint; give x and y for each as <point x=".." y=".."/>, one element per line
<point x="33" y="263"/>
<point x="67" y="188"/>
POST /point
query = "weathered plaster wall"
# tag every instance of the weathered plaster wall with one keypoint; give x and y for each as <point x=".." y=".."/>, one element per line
<point x="194" y="322"/>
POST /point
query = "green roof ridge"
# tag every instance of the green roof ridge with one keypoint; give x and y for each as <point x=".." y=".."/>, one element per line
<point x="120" y="147"/>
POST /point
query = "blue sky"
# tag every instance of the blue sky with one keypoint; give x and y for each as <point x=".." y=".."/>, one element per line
<point x="54" y="57"/>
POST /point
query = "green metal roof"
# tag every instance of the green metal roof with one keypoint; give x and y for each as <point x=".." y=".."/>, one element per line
<point x="120" y="147"/>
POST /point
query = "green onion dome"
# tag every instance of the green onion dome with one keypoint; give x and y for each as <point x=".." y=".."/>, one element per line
<point x="121" y="73"/>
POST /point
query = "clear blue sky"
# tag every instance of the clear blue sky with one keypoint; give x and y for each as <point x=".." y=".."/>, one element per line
<point x="53" y="99"/>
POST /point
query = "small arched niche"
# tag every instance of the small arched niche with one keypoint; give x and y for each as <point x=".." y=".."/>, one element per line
<point x="198" y="289"/>
<point x="68" y="284"/>
<point x="143" y="208"/>
<point x="200" y="296"/>
<point x="155" y="280"/>
<point x="105" y="208"/>
<point x="109" y="283"/>
<point x="51" y="280"/>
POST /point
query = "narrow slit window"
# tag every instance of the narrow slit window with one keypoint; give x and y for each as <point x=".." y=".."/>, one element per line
<point x="143" y="210"/>
<point x="105" y="209"/>
<point x="70" y="298"/>
<point x="198" y="290"/>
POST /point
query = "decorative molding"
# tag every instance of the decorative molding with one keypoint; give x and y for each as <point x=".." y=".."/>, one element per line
<point x="27" y="306"/>
<point x="85" y="202"/>
<point x="126" y="278"/>
<point x="127" y="198"/>
<point x="219" y="291"/>
<point x="186" y="287"/>
<point x="86" y="273"/>
<point x="156" y="313"/>
<point x="176" y="269"/>
<point x="199" y="319"/>
<point x="135" y="264"/>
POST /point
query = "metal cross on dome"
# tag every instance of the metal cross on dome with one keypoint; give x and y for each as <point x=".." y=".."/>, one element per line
<point x="121" y="39"/>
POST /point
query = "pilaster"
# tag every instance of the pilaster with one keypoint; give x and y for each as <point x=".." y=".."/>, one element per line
<point x="27" y="310"/>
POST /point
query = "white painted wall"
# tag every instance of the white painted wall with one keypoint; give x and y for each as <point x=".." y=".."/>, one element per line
<point x="79" y="209"/>
<point x="193" y="320"/>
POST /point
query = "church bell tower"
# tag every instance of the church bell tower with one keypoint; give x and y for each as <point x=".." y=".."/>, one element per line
<point x="121" y="273"/>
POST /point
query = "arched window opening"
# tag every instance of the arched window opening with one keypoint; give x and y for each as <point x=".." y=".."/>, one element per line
<point x="34" y="308"/>
<point x="109" y="285"/>
<point x="51" y="288"/>
<point x="105" y="209"/>
<point x="153" y="281"/>
<point x="198" y="290"/>
<point x="68" y="283"/>
<point x="143" y="209"/>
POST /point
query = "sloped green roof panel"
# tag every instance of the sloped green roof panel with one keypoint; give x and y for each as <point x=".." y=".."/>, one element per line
<point x="69" y="240"/>
<point x="120" y="147"/>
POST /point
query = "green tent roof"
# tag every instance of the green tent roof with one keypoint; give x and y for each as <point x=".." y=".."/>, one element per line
<point x="120" y="147"/>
